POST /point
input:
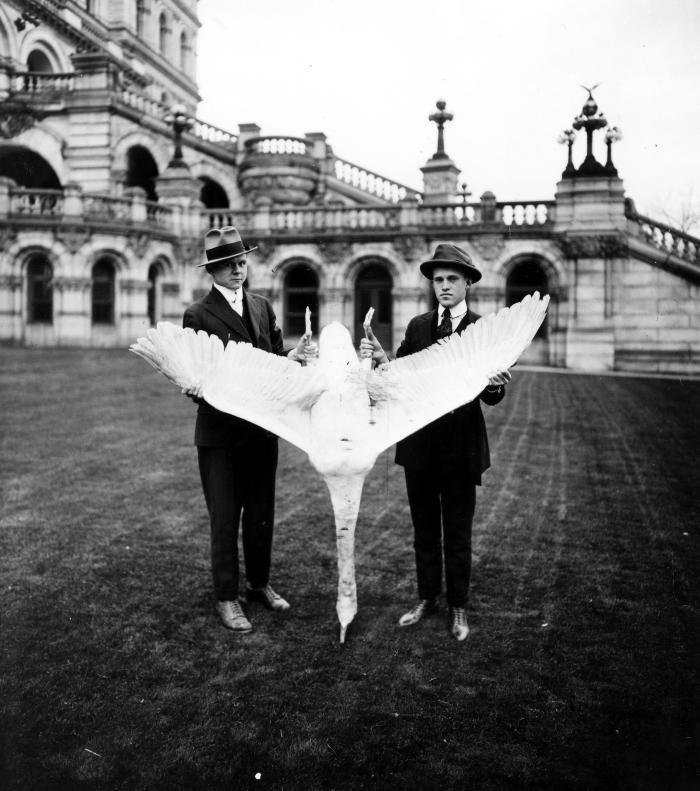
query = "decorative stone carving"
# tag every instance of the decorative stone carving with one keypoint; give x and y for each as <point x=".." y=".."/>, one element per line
<point x="265" y="248"/>
<point x="14" y="123"/>
<point x="10" y="281"/>
<point x="8" y="234"/>
<point x="128" y="286"/>
<point x="171" y="288"/>
<point x="599" y="246"/>
<point x="188" y="251"/>
<point x="489" y="245"/>
<point x="334" y="252"/>
<point x="409" y="247"/>
<point x="138" y="242"/>
<point x="73" y="237"/>
<point x="72" y="283"/>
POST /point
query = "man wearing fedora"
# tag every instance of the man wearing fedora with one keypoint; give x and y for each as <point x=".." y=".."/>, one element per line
<point x="443" y="461"/>
<point x="237" y="459"/>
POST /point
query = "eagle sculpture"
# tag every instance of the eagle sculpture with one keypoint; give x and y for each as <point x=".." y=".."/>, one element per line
<point x="339" y="411"/>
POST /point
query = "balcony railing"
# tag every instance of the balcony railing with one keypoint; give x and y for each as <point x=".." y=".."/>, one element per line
<point x="665" y="238"/>
<point x="370" y="182"/>
<point x="31" y="202"/>
<point x="37" y="83"/>
<point x="278" y="145"/>
<point x="523" y="214"/>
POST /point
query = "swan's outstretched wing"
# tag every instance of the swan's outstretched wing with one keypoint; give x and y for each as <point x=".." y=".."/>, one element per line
<point x="270" y="391"/>
<point x="412" y="391"/>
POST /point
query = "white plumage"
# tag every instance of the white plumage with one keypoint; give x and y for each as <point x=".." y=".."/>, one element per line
<point x="338" y="411"/>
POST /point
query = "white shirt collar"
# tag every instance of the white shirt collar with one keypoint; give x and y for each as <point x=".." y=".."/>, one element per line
<point x="456" y="312"/>
<point x="230" y="294"/>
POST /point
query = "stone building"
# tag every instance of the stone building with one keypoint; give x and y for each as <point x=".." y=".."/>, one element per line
<point x="108" y="182"/>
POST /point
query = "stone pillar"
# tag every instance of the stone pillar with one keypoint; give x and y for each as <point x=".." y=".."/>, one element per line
<point x="133" y="309"/>
<point x="440" y="179"/>
<point x="246" y="132"/>
<point x="72" y="310"/>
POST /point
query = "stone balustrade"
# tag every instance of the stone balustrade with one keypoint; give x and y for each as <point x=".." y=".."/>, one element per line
<point x="370" y="182"/>
<point x="665" y="238"/>
<point x="40" y="83"/>
<point x="36" y="203"/>
<point x="142" y="103"/>
<point x="107" y="208"/>
<point x="278" y="145"/>
<point x="211" y="134"/>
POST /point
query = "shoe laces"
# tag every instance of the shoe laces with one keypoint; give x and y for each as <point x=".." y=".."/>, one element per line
<point x="459" y="616"/>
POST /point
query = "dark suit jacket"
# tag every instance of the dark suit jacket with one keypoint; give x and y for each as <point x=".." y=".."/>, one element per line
<point x="213" y="314"/>
<point x="460" y="436"/>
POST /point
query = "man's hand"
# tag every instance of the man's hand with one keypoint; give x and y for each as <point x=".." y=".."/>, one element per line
<point x="370" y="347"/>
<point x="305" y="351"/>
<point x="499" y="379"/>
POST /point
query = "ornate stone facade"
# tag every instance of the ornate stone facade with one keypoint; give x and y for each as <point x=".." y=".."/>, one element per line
<point x="103" y="240"/>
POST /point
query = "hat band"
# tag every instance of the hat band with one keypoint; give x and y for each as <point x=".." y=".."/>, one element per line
<point x="225" y="251"/>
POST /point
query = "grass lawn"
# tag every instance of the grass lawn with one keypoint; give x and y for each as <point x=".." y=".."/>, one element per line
<point x="581" y="670"/>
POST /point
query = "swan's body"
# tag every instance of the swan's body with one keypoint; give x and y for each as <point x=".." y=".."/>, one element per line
<point x="342" y="414"/>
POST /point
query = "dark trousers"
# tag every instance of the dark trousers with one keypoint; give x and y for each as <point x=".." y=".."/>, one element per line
<point x="239" y="487"/>
<point x="442" y="508"/>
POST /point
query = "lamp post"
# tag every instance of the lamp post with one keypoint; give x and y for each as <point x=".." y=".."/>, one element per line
<point x="567" y="137"/>
<point x="612" y="135"/>
<point x="179" y="120"/>
<point x="589" y="121"/>
<point x="440" y="118"/>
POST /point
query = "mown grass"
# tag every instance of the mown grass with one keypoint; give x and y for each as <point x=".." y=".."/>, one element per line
<point x="581" y="671"/>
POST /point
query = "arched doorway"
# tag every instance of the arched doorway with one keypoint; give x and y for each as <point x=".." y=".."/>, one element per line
<point x="300" y="292"/>
<point x="527" y="276"/>
<point x="212" y="194"/>
<point x="373" y="290"/>
<point x="39" y="290"/>
<point x="27" y="168"/>
<point x="38" y="62"/>
<point x="103" y="277"/>
<point x="141" y="171"/>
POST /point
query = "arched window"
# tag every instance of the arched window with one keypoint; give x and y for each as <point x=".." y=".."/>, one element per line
<point x="38" y="61"/>
<point x="141" y="171"/>
<point x="103" y="292"/>
<point x="212" y="194"/>
<point x="28" y="169"/>
<point x="184" y="49"/>
<point x="300" y="292"/>
<point x="39" y="290"/>
<point x="373" y="290"/>
<point x="140" y="17"/>
<point x="155" y="281"/>
<point x="526" y="277"/>
<point x="163" y="33"/>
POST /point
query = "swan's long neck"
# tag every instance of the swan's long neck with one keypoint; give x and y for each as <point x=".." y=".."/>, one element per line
<point x="346" y="492"/>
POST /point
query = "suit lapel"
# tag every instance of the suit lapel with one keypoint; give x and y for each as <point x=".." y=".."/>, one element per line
<point x="216" y="304"/>
<point x="254" y="314"/>
<point x="425" y="330"/>
<point x="467" y="319"/>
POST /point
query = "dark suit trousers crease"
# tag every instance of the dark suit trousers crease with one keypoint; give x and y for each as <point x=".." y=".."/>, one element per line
<point x="239" y="487"/>
<point x="442" y="505"/>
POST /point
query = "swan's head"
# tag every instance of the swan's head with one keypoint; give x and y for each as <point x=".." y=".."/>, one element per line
<point x="335" y="348"/>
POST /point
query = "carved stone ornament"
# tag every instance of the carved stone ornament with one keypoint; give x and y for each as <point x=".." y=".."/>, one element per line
<point x="409" y="247"/>
<point x="265" y="248"/>
<point x="489" y="245"/>
<point x="138" y="242"/>
<point x="10" y="281"/>
<point x="13" y="123"/>
<point x="189" y="251"/>
<point x="72" y="283"/>
<point x="600" y="246"/>
<point x="73" y="238"/>
<point x="8" y="234"/>
<point x="334" y="252"/>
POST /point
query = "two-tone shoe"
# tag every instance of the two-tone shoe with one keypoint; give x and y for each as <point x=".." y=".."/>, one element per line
<point x="233" y="617"/>
<point x="418" y="612"/>
<point x="459" y="629"/>
<point x="267" y="597"/>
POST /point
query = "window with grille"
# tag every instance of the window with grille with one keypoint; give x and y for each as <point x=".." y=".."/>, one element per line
<point x="40" y="291"/>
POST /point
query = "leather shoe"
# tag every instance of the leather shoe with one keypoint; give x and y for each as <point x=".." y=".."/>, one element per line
<point x="458" y="623"/>
<point x="266" y="596"/>
<point x="233" y="617"/>
<point x="420" y="610"/>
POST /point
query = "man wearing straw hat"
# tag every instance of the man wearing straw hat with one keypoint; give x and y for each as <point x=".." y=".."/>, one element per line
<point x="443" y="461"/>
<point x="238" y="460"/>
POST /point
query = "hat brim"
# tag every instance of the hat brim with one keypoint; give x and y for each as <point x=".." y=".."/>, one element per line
<point x="427" y="268"/>
<point x="227" y="257"/>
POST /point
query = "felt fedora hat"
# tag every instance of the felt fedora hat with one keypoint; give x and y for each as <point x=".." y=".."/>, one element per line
<point x="452" y="256"/>
<point x="221" y="244"/>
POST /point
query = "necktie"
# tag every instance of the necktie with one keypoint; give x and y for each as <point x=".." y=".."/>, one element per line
<point x="445" y="326"/>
